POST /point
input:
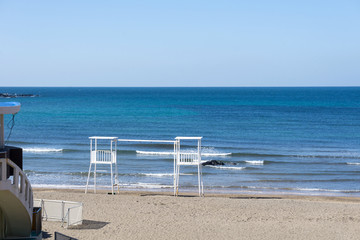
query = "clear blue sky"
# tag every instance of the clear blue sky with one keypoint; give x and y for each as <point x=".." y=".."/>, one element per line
<point x="180" y="43"/>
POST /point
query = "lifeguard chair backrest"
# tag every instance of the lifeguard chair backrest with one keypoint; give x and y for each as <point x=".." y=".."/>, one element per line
<point x="188" y="156"/>
<point x="102" y="156"/>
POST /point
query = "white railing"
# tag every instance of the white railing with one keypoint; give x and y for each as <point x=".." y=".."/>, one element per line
<point x="189" y="158"/>
<point x="103" y="156"/>
<point x="18" y="184"/>
<point x="62" y="211"/>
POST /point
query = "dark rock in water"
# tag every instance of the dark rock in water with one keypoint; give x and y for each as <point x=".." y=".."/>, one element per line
<point x="15" y="95"/>
<point x="213" y="163"/>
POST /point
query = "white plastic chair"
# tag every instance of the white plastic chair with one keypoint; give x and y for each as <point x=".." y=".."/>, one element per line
<point x="187" y="158"/>
<point x="100" y="156"/>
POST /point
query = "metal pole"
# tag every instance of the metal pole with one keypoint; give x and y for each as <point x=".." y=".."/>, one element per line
<point x="112" y="183"/>
<point x="96" y="158"/>
<point x="174" y="169"/>
<point x="116" y="167"/>
<point x="2" y="144"/>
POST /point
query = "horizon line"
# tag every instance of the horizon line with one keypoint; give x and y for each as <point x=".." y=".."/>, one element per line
<point x="330" y="86"/>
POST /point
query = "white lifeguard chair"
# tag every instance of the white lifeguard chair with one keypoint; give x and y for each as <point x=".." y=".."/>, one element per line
<point x="102" y="156"/>
<point x="187" y="158"/>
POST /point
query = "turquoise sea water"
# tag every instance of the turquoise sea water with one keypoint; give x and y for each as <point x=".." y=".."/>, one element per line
<point x="282" y="140"/>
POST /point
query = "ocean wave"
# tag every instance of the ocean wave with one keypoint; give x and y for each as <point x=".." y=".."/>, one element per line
<point x="353" y="163"/>
<point x="326" y="190"/>
<point x="211" y="151"/>
<point x="269" y="155"/>
<point x="252" y="154"/>
<point x="157" y="174"/>
<point x="51" y="175"/>
<point x="293" y="162"/>
<point x="229" y="168"/>
<point x="149" y="144"/>
<point x="301" y="180"/>
<point x="255" y="162"/>
<point x="215" y="154"/>
<point x="294" y="190"/>
<point x="42" y="150"/>
<point x="101" y="173"/>
<point x="154" y="153"/>
<point x="172" y="153"/>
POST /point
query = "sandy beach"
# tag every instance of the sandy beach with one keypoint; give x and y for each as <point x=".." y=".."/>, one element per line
<point x="150" y="215"/>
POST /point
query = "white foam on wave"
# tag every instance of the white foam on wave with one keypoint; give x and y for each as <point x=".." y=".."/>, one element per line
<point x="229" y="168"/>
<point x="172" y="153"/>
<point x="255" y="162"/>
<point x="154" y="153"/>
<point x="353" y="163"/>
<point x="211" y="151"/>
<point x="307" y="190"/>
<point x="42" y="150"/>
<point x="157" y="174"/>
<point x="326" y="190"/>
<point x="215" y="154"/>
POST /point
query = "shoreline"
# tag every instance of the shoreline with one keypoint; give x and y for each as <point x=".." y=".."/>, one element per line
<point x="195" y="194"/>
<point x="213" y="191"/>
<point x="160" y="215"/>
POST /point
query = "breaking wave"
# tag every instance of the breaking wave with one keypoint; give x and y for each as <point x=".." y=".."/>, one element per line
<point x="255" y="162"/>
<point x="229" y="168"/>
<point x="172" y="153"/>
<point x="42" y="150"/>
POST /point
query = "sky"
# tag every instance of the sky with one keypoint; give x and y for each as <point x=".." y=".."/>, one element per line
<point x="179" y="43"/>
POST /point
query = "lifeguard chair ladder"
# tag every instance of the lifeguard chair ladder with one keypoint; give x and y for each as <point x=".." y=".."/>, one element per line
<point x="101" y="156"/>
<point x="187" y="158"/>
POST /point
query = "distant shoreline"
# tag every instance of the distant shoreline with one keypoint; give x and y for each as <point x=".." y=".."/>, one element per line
<point x="149" y="87"/>
<point x="16" y="95"/>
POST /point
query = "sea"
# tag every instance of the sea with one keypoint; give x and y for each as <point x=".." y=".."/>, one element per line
<point x="271" y="140"/>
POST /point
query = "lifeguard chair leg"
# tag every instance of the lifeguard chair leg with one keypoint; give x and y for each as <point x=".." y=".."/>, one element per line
<point x="199" y="179"/>
<point x="95" y="178"/>
<point x="112" y="181"/>
<point x="87" y="182"/>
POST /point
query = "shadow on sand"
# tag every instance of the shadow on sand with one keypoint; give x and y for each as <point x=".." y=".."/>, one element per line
<point x="46" y="235"/>
<point x="89" y="224"/>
